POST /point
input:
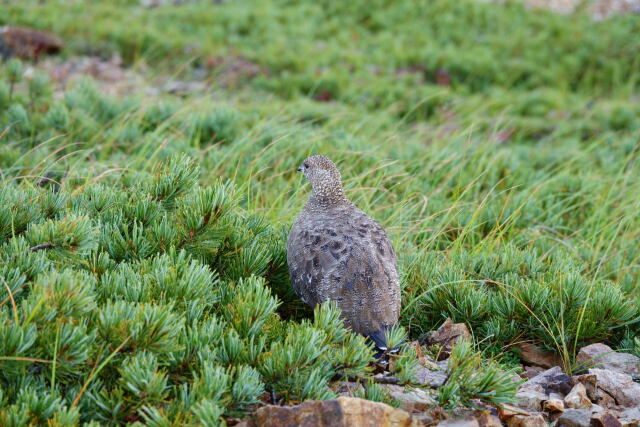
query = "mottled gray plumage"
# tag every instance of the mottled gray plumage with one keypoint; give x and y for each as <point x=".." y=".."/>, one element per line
<point x="335" y="251"/>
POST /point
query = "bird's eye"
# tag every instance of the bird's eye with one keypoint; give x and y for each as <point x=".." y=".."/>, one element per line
<point x="306" y="165"/>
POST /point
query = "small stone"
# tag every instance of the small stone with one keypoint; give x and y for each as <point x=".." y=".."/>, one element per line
<point x="620" y="386"/>
<point x="534" y="355"/>
<point x="577" y="398"/>
<point x="507" y="411"/>
<point x="553" y="405"/>
<point x="532" y="371"/>
<point x="427" y="377"/>
<point x="536" y="420"/>
<point x="447" y="335"/>
<point x="346" y="388"/>
<point x="604" y="399"/>
<point x="602" y="356"/>
<point x="551" y="380"/>
<point x="485" y="419"/>
<point x="630" y="417"/>
<point x="459" y="422"/>
<point x="590" y="384"/>
<point x="343" y="411"/>
<point x="575" y="418"/>
<point x="531" y="398"/>
<point x="604" y="419"/>
<point x="415" y="400"/>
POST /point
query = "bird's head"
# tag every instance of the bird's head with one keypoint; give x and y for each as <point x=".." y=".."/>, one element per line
<point x="324" y="177"/>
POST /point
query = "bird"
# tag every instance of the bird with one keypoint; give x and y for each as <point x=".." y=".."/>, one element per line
<point x="337" y="252"/>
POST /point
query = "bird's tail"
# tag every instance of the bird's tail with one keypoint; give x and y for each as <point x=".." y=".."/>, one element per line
<point x="379" y="339"/>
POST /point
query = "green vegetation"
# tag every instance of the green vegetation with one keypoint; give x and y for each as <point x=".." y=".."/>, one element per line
<point x="142" y="238"/>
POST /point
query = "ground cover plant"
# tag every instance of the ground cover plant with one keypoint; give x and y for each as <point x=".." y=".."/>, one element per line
<point x="142" y="236"/>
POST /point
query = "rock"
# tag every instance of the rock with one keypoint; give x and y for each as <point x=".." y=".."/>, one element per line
<point x="536" y="420"/>
<point x="531" y="371"/>
<point x="459" y="422"/>
<point x="551" y="380"/>
<point x="604" y="399"/>
<point x="620" y="386"/>
<point x="604" y="419"/>
<point x="415" y="400"/>
<point x="553" y="405"/>
<point x="604" y="357"/>
<point x="485" y="419"/>
<point x="575" y="418"/>
<point x="630" y="417"/>
<point x="577" y="398"/>
<point x="245" y="422"/>
<point x="342" y="412"/>
<point x="507" y="411"/>
<point x="531" y="398"/>
<point x="447" y="335"/>
<point x="346" y="388"/>
<point x="534" y="355"/>
<point x="27" y="43"/>
<point x="427" y="377"/>
<point x="589" y="382"/>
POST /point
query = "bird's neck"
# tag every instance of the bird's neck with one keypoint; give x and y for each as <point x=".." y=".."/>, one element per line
<point x="326" y="196"/>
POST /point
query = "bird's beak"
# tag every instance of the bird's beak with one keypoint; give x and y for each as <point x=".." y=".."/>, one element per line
<point x="299" y="169"/>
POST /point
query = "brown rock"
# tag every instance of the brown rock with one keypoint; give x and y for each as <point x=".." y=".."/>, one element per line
<point x="604" y="399"/>
<point x="620" y="386"/>
<point x="507" y="411"/>
<point x="447" y="335"/>
<point x="575" y="418"/>
<point x="590" y="384"/>
<point x="553" y="405"/>
<point x="485" y="419"/>
<point x="342" y="412"/>
<point x="602" y="356"/>
<point x="604" y="419"/>
<point x="577" y="398"/>
<point x="27" y="43"/>
<point x="534" y="355"/>
<point x="536" y="420"/>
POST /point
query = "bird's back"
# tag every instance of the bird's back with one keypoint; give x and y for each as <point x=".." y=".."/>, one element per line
<point x="343" y="255"/>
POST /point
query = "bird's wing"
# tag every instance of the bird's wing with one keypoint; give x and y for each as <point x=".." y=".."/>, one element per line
<point x="312" y="255"/>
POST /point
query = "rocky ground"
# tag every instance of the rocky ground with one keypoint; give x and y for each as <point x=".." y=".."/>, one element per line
<point x="602" y="393"/>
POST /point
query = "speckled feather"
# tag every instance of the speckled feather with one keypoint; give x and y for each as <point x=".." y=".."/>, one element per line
<point x="335" y="251"/>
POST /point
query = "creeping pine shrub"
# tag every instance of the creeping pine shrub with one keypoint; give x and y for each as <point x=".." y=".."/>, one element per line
<point x="469" y="378"/>
<point x="150" y="299"/>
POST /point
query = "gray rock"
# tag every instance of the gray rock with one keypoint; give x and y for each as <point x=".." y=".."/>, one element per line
<point x="337" y="252"/>
<point x="531" y="398"/>
<point x="459" y="422"/>
<point x="551" y="380"/>
<point x="630" y="417"/>
<point x="426" y="377"/>
<point x="575" y="418"/>
<point x="604" y="357"/>
<point x="620" y="386"/>
<point x="411" y="400"/>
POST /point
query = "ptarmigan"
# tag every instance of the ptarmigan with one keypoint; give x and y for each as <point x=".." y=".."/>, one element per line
<point x="335" y="251"/>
